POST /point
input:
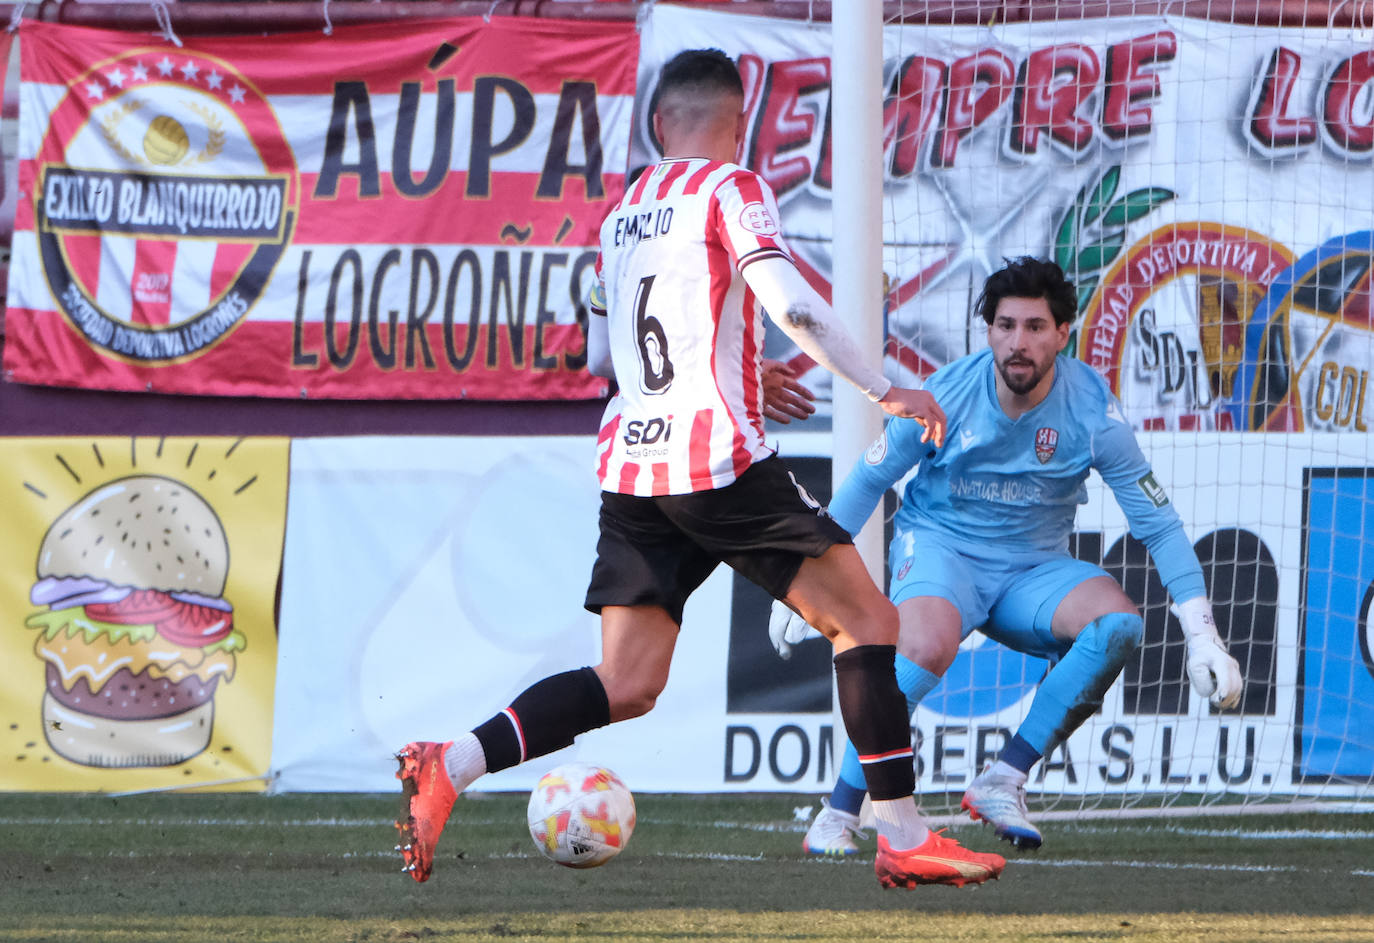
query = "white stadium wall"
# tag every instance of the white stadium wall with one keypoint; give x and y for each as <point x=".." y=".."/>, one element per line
<point x="462" y="587"/>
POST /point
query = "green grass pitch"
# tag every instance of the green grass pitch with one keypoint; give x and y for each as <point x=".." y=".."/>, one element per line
<point x="313" y="868"/>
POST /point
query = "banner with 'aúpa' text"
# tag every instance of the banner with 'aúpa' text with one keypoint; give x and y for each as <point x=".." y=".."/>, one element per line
<point x="396" y="211"/>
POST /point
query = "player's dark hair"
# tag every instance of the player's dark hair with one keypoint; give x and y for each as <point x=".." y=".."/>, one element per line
<point x="1029" y="277"/>
<point x="700" y="70"/>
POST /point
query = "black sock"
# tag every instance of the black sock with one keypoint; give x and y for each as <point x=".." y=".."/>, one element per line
<point x="545" y="717"/>
<point x="875" y="717"/>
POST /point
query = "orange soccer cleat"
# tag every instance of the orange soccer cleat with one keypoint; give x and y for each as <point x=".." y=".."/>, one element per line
<point x="938" y="860"/>
<point x="427" y="797"/>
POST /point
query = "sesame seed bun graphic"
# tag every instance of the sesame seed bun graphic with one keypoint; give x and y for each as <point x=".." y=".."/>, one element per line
<point x="137" y="635"/>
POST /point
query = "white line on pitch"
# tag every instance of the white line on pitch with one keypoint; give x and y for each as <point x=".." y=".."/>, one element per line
<point x="812" y="862"/>
<point x="197" y="822"/>
<point x="785" y="827"/>
<point x="1332" y="834"/>
<point x="1150" y="865"/>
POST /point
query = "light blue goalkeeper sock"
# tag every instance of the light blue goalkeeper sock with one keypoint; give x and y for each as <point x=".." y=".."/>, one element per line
<point x="1073" y="690"/>
<point x="848" y="794"/>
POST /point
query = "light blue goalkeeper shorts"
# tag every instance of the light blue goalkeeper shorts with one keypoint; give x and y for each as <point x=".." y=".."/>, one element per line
<point x="1011" y="599"/>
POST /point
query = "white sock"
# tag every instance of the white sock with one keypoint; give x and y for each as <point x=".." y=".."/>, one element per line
<point x="900" y="822"/>
<point x="1002" y="770"/>
<point x="465" y="761"/>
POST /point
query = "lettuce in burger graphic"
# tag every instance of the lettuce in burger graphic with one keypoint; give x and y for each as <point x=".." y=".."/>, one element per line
<point x="137" y="633"/>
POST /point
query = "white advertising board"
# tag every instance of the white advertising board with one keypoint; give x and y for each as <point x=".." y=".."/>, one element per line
<point x="429" y="580"/>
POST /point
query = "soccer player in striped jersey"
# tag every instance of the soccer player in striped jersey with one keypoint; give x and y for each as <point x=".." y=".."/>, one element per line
<point x="981" y="542"/>
<point x="690" y="260"/>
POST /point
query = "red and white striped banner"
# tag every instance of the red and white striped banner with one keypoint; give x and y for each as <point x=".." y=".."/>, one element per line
<point x="402" y="211"/>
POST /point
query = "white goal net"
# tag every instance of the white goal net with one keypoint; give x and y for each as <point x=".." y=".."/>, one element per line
<point x="1205" y="180"/>
<point x="1203" y="173"/>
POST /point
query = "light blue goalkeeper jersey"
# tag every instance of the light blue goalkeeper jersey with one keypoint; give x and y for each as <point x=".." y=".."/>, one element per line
<point x="1000" y="488"/>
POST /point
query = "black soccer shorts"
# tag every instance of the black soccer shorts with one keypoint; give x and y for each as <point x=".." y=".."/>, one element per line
<point x="655" y="551"/>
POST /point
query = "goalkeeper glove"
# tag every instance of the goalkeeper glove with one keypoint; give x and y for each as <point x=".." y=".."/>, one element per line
<point x="785" y="629"/>
<point x="1213" y="673"/>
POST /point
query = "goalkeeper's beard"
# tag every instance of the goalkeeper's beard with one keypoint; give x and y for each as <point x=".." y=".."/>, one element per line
<point x="1025" y="382"/>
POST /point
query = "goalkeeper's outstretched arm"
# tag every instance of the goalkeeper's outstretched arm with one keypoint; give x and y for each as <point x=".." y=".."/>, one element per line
<point x="1117" y="456"/>
<point x="1211" y="670"/>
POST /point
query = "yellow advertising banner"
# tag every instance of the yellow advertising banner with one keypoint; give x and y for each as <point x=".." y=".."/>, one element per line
<point x="138" y="631"/>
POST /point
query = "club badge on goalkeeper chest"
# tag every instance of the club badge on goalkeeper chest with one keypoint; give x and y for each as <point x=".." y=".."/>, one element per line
<point x="1046" y="440"/>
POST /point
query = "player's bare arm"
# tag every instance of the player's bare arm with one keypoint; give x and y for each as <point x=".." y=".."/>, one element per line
<point x="599" y="345"/>
<point x="805" y="317"/>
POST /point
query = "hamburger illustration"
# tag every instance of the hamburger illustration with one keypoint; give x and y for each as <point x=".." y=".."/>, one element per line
<point x="137" y="634"/>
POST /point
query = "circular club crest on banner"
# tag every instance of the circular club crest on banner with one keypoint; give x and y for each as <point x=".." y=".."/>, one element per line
<point x="1167" y="327"/>
<point x="1309" y="345"/>
<point x="165" y="196"/>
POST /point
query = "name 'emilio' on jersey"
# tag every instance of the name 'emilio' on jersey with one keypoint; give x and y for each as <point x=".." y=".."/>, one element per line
<point x="686" y="333"/>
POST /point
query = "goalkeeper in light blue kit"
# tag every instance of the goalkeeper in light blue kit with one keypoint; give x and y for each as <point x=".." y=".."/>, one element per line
<point x="981" y="542"/>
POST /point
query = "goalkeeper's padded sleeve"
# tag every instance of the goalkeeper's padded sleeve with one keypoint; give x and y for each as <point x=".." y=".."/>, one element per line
<point x="1176" y="563"/>
<point x="804" y="316"/>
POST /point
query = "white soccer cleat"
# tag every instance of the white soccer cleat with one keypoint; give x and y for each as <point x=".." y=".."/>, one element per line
<point x="1001" y="802"/>
<point x="832" y="833"/>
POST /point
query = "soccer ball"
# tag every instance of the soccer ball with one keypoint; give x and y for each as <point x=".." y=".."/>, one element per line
<point x="581" y="816"/>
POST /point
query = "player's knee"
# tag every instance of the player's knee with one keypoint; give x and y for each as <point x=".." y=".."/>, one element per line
<point x="932" y="648"/>
<point x="632" y="698"/>
<point x="633" y="707"/>
<point x="868" y="620"/>
<point x="1118" y="634"/>
<point x="873" y="625"/>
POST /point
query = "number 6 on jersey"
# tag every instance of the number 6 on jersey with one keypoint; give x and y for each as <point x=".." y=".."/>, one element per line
<point x="655" y="369"/>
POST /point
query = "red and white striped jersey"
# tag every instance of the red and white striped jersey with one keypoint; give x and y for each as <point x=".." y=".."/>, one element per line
<point x="686" y="333"/>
